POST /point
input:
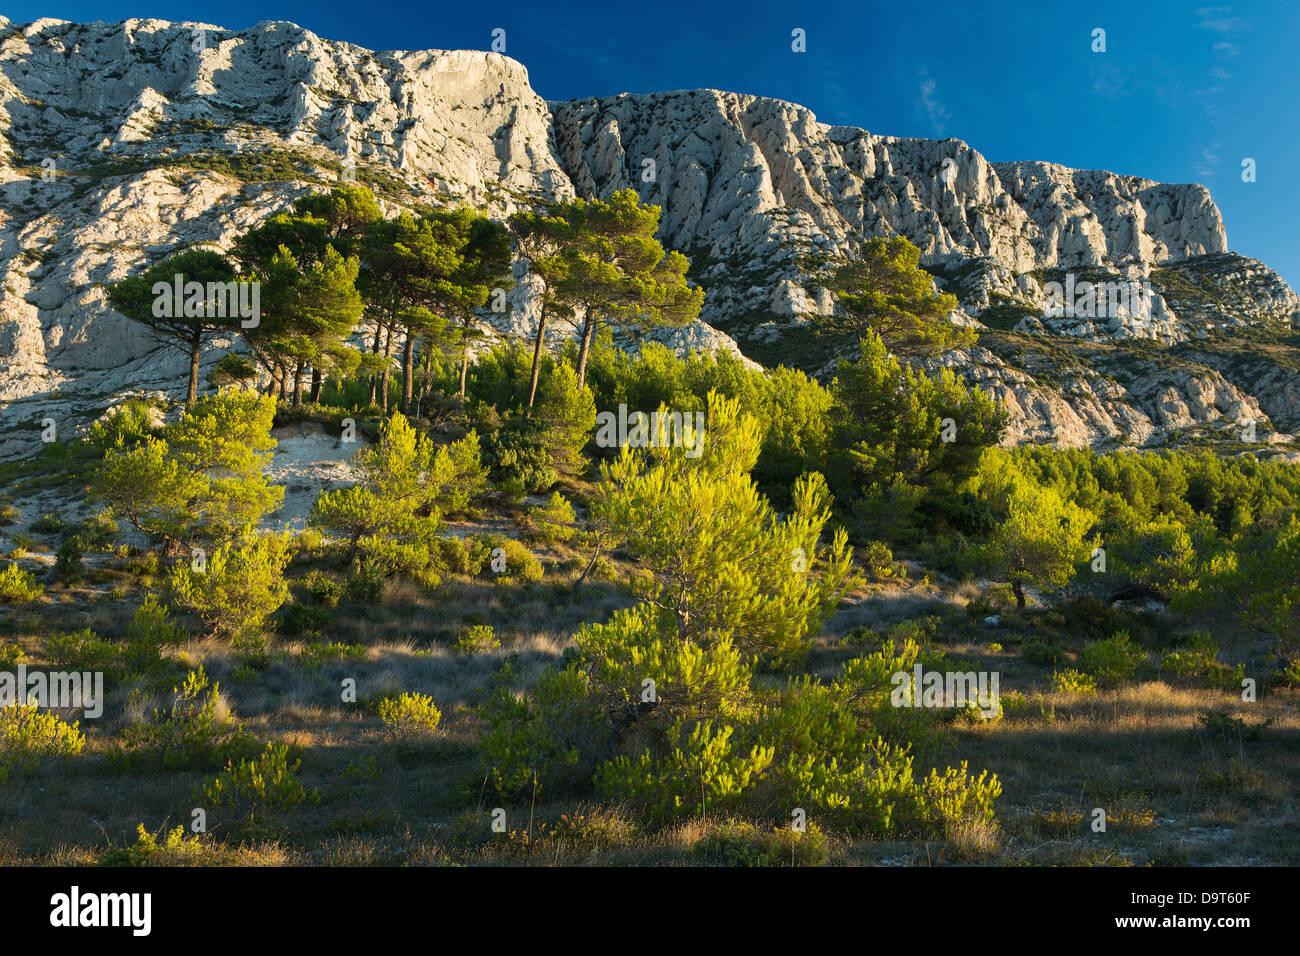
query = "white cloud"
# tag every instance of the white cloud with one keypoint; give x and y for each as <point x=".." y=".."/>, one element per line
<point x="937" y="112"/>
<point x="1208" y="166"/>
<point x="1218" y="19"/>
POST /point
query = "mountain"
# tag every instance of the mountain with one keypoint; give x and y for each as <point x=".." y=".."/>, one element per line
<point x="127" y="141"/>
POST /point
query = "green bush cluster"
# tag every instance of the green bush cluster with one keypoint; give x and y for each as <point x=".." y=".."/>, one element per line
<point x="28" y="738"/>
<point x="196" y="732"/>
<point x="409" y="714"/>
<point x="478" y="639"/>
<point x="268" y="782"/>
<point x="1112" y="661"/>
<point x="18" y="586"/>
<point x="659" y="708"/>
<point x="739" y="843"/>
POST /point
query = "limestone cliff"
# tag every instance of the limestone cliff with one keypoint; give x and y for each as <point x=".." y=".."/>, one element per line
<point x="128" y="141"/>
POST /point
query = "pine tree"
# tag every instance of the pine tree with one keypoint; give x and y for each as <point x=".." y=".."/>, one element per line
<point x="900" y="436"/>
<point x="564" y="419"/>
<point x="613" y="270"/>
<point x="226" y="439"/>
<point x="205" y="311"/>
<point x="1039" y="543"/>
<point x="717" y="556"/>
<point x="407" y="262"/>
<point x="404" y="483"/>
<point x="483" y="250"/>
<point x="540" y="236"/>
<point x="202" y="480"/>
<point x="239" y="587"/>
<point x="884" y="291"/>
<point x="307" y="259"/>
<point x="149" y="488"/>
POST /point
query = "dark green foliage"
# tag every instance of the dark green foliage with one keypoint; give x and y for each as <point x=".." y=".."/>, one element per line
<point x="519" y="459"/>
<point x="304" y="619"/>
<point x="884" y="293"/>
<point x="902" y="439"/>
<point x="67" y="563"/>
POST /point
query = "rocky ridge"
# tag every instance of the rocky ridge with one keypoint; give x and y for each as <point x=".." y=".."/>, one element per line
<point x="127" y="141"/>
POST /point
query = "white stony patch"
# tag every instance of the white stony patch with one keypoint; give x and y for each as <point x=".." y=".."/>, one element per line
<point x="306" y="462"/>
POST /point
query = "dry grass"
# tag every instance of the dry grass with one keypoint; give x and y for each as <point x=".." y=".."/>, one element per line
<point x="1171" y="791"/>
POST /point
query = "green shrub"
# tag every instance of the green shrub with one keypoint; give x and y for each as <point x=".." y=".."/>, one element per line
<point x="921" y="630"/>
<point x="48" y="524"/>
<point x="879" y="561"/>
<point x="96" y="532"/>
<point x="18" y="586"/>
<point x="268" y="782"/>
<point x="1071" y="681"/>
<point x="82" y="651"/>
<point x="510" y="561"/>
<point x="148" y="634"/>
<point x="477" y="640"/>
<point x="308" y="541"/>
<point x="519" y="460"/>
<point x="174" y="849"/>
<point x="241" y="586"/>
<point x="22" y="546"/>
<point x="409" y="714"/>
<point x="366" y="584"/>
<point x="1042" y="653"/>
<point x="324" y="590"/>
<point x="1220" y="723"/>
<point x="956" y="796"/>
<point x="318" y="653"/>
<point x="304" y="619"/>
<point x="68" y="566"/>
<point x="1015" y="704"/>
<point x="459" y="555"/>
<point x="143" y="566"/>
<point x="553" y="522"/>
<point x="28" y="737"/>
<point x="742" y="844"/>
<point x="197" y="732"/>
<point x="1112" y="661"/>
<point x="703" y="769"/>
<point x="1200" y="658"/>
<point x="11" y="656"/>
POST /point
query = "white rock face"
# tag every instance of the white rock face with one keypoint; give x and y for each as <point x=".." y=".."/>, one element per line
<point x="131" y="141"/>
<point x="749" y="178"/>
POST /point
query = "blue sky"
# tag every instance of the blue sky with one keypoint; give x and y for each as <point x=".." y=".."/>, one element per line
<point x="1184" y="92"/>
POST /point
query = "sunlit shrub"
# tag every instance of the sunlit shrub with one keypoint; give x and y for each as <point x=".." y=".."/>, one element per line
<point x="18" y="586"/>
<point x="29" y="737"/>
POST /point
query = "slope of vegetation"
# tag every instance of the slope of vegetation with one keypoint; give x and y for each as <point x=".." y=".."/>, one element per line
<point x="506" y="638"/>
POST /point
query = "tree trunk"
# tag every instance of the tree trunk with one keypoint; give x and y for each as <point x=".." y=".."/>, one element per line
<point x="284" y="383"/>
<point x="464" y="360"/>
<point x="1020" y="594"/>
<point x="388" y="369"/>
<point x="577" y="585"/>
<point x="297" y="383"/>
<point x="588" y="328"/>
<point x="193" y="392"/>
<point x="428" y="370"/>
<point x="374" y="379"/>
<point x="317" y="380"/>
<point x="539" y="343"/>
<point x="408" y="372"/>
